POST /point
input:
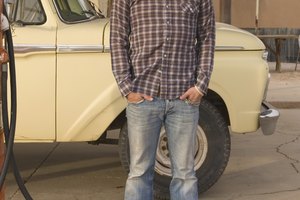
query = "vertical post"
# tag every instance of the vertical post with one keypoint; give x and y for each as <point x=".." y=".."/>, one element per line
<point x="277" y="54"/>
<point x="109" y="6"/>
<point x="256" y="16"/>
<point x="2" y="153"/>
<point x="225" y="11"/>
<point x="2" y="148"/>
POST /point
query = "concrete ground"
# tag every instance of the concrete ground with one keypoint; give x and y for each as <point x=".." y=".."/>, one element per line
<point x="260" y="167"/>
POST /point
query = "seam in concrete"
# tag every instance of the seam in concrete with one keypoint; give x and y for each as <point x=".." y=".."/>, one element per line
<point x="285" y="104"/>
<point x="293" y="160"/>
<point x="295" y="168"/>
<point x="41" y="163"/>
<point x="264" y="193"/>
<point x="36" y="169"/>
<point x="277" y="192"/>
<point x="284" y="154"/>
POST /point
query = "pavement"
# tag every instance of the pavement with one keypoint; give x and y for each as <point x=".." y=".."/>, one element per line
<point x="260" y="167"/>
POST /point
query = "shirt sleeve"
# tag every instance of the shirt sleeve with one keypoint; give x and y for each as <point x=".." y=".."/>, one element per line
<point x="206" y="44"/>
<point x="119" y="44"/>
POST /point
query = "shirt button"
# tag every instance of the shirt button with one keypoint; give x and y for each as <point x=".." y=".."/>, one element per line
<point x="168" y="39"/>
<point x="168" y="21"/>
<point x="167" y="6"/>
<point x="165" y="55"/>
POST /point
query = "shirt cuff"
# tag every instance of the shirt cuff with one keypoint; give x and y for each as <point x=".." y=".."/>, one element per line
<point x="201" y="93"/>
<point x="202" y="85"/>
<point x="125" y="87"/>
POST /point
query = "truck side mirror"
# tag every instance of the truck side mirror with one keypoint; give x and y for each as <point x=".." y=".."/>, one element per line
<point x="10" y="6"/>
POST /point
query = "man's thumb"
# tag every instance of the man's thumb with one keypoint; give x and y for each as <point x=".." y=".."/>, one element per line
<point x="148" y="98"/>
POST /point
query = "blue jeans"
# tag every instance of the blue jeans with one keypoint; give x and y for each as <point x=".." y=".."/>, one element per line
<point x="145" y="119"/>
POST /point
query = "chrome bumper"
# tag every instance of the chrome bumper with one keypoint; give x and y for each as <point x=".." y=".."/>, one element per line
<point x="268" y="118"/>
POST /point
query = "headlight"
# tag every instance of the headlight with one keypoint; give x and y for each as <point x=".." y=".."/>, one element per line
<point x="267" y="87"/>
<point x="265" y="55"/>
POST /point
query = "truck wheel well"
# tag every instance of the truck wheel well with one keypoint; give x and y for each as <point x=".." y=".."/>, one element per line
<point x="211" y="96"/>
<point x="116" y="124"/>
<point x="219" y="103"/>
<point x="118" y="121"/>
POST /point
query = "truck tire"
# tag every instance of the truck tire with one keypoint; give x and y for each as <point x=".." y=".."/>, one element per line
<point x="211" y="158"/>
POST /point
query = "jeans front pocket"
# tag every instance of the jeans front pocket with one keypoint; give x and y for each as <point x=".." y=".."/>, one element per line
<point x="136" y="103"/>
<point x="192" y="103"/>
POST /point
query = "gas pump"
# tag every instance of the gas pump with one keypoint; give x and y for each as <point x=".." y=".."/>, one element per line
<point x="7" y="63"/>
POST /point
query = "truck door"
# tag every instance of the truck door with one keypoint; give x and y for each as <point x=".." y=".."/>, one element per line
<point x="34" y="36"/>
<point x="84" y="76"/>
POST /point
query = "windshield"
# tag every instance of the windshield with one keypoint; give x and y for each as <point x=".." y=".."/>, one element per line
<point x="73" y="11"/>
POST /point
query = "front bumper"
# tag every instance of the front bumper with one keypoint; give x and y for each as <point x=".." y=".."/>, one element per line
<point x="268" y="118"/>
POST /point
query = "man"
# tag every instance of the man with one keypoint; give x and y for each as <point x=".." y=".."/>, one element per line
<point x="162" y="58"/>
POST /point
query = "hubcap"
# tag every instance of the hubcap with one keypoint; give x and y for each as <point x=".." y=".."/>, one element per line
<point x="163" y="164"/>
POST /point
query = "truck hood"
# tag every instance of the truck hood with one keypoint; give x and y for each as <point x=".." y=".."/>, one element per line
<point x="228" y="38"/>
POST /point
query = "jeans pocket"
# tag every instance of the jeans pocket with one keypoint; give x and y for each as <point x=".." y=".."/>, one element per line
<point x="192" y="103"/>
<point x="136" y="103"/>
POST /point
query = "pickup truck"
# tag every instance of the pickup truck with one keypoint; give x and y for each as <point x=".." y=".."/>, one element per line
<point x="67" y="92"/>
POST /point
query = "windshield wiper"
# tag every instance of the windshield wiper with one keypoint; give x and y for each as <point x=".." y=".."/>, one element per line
<point x="93" y="13"/>
<point x="88" y="12"/>
<point x="96" y="9"/>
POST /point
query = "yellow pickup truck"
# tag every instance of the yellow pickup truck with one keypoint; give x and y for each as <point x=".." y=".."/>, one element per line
<point x="66" y="90"/>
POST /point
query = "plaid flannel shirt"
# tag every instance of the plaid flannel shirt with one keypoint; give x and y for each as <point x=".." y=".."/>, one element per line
<point x="162" y="48"/>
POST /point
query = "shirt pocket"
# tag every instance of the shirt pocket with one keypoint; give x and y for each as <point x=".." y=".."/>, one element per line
<point x="190" y="7"/>
<point x="134" y="2"/>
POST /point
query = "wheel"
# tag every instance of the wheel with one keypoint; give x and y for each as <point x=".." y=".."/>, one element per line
<point x="211" y="157"/>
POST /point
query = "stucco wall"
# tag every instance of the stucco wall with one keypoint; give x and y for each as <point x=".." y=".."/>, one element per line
<point x="280" y="13"/>
<point x="217" y="8"/>
<point x="275" y="17"/>
<point x="272" y="13"/>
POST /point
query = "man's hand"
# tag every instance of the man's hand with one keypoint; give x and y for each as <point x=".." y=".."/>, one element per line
<point x="133" y="97"/>
<point x="3" y="56"/>
<point x="193" y="95"/>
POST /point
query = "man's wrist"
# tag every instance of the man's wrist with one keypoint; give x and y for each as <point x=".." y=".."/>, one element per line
<point x="127" y="94"/>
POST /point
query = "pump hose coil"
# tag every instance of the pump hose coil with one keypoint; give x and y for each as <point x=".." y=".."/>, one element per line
<point x="9" y="128"/>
